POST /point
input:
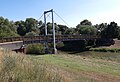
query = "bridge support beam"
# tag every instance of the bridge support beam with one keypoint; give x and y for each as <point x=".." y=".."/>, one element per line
<point x="54" y="44"/>
<point x="53" y="30"/>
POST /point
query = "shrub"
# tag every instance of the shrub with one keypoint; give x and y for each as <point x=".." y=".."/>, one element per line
<point x="59" y="45"/>
<point x="39" y="48"/>
<point x="35" y="49"/>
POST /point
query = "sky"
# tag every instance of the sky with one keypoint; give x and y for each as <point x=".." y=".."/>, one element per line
<point x="72" y="11"/>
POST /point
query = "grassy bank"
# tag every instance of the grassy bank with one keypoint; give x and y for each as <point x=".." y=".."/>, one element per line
<point x="21" y="68"/>
<point x="63" y="67"/>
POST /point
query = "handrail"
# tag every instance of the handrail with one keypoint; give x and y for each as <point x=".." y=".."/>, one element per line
<point x="49" y="37"/>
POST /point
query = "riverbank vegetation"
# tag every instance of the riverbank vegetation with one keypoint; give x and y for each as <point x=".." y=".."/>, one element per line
<point x="105" y="49"/>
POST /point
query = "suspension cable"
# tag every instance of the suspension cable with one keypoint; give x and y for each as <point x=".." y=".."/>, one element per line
<point x="57" y="15"/>
<point x="41" y="17"/>
<point x="48" y="16"/>
<point x="62" y="19"/>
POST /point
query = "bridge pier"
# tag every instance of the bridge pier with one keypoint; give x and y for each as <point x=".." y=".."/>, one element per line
<point x="54" y="51"/>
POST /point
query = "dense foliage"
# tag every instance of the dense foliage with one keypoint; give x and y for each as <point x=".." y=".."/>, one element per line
<point x="32" y="27"/>
<point x="35" y="49"/>
<point x="7" y="28"/>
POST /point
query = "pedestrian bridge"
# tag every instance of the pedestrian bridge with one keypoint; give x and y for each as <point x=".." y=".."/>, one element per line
<point x="48" y="38"/>
<point x="13" y="43"/>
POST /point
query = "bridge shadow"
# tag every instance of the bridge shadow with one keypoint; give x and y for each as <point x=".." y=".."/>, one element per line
<point x="35" y="54"/>
<point x="73" y="51"/>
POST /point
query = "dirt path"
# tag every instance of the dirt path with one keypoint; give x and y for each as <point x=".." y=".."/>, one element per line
<point x="101" y="77"/>
<point x="116" y="45"/>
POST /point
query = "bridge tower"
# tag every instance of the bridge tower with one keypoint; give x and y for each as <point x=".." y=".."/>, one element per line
<point x="53" y="32"/>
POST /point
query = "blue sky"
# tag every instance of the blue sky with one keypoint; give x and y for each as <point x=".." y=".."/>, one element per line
<point x="72" y="11"/>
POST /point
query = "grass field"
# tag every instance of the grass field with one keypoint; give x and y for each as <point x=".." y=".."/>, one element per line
<point x="86" y="66"/>
<point x="63" y="67"/>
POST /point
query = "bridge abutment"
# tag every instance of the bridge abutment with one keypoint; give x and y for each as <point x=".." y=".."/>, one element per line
<point x="11" y="45"/>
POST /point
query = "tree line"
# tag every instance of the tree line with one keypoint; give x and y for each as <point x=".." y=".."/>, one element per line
<point x="33" y="27"/>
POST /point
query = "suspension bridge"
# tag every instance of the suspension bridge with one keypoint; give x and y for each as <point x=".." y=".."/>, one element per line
<point x="18" y="41"/>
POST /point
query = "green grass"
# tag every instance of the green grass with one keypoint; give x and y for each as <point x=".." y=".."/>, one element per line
<point x="84" y="66"/>
<point x="108" y="56"/>
<point x="81" y="64"/>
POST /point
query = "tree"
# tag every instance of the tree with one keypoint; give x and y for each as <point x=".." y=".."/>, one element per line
<point x="112" y="31"/>
<point x="85" y="27"/>
<point x="42" y="30"/>
<point x="63" y="29"/>
<point x="49" y="28"/>
<point x="21" y="29"/>
<point x="31" y="34"/>
<point x="86" y="22"/>
<point x="70" y="31"/>
<point x="31" y="24"/>
<point x="100" y="28"/>
<point x="7" y="28"/>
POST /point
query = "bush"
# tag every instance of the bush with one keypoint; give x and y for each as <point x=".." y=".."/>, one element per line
<point x="39" y="48"/>
<point x="35" y="49"/>
<point x="59" y="45"/>
<point x="31" y="34"/>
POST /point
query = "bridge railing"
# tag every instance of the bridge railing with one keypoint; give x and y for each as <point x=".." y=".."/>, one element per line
<point x="48" y="38"/>
<point x="76" y="37"/>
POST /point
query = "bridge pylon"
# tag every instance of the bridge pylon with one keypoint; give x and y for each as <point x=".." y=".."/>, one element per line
<point x="53" y="28"/>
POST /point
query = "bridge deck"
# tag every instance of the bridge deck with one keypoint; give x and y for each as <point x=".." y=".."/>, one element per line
<point x="48" y="38"/>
